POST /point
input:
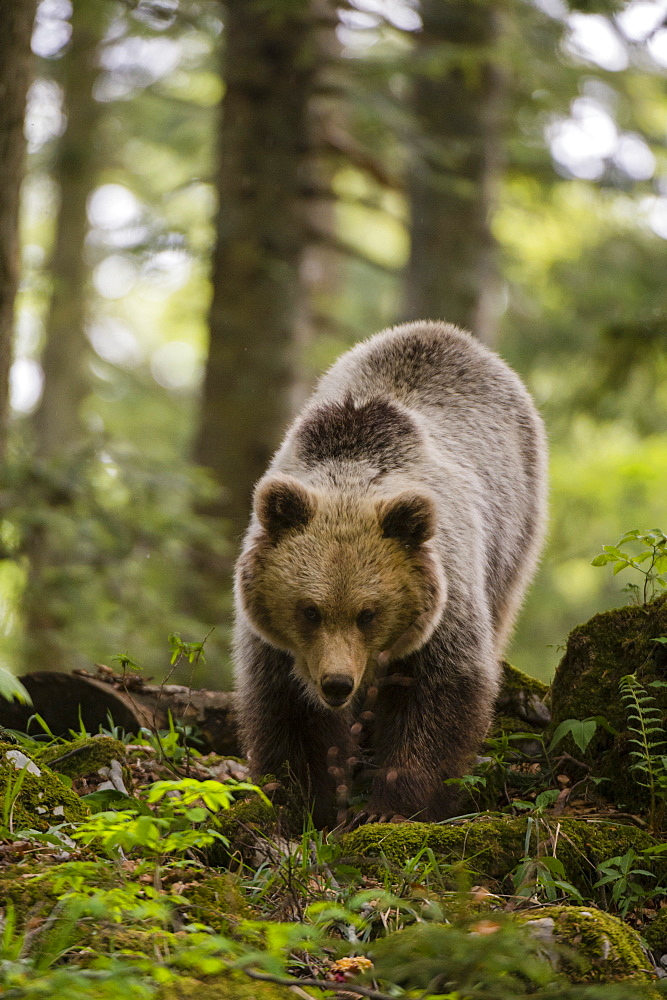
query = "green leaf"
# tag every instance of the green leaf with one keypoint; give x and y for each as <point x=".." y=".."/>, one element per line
<point x="554" y="865"/>
<point x="110" y="799"/>
<point x="11" y="688"/>
<point x="582" y="732"/>
<point x="606" y="880"/>
<point x="568" y="888"/>
<point x="546" y="798"/>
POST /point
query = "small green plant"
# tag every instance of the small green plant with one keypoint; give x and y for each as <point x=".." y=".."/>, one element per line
<point x="180" y="824"/>
<point x="621" y="875"/>
<point x="190" y="651"/>
<point x="582" y="732"/>
<point x="649" y="764"/>
<point x="11" y="794"/>
<point x="541" y="876"/>
<point x="650" y="561"/>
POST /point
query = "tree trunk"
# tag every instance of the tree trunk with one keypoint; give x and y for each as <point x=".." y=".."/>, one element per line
<point x="57" y="420"/>
<point x="16" y="21"/>
<point x="254" y="320"/>
<point x="260" y="237"/>
<point x="458" y="102"/>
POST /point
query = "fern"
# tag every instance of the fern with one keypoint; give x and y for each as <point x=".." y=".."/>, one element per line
<point x="649" y="753"/>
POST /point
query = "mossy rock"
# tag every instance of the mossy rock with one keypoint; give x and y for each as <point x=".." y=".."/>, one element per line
<point x="491" y="848"/>
<point x="84" y="756"/>
<point x="598" y="654"/>
<point x="655" y="934"/>
<point x="581" y="944"/>
<point x="589" y="945"/>
<point x="230" y="986"/>
<point x="42" y="800"/>
<point x="521" y="704"/>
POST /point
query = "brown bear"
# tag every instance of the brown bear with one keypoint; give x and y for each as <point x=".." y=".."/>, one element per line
<point x="391" y="542"/>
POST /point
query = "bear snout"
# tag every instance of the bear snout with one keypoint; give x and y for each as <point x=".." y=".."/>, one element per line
<point x="336" y="689"/>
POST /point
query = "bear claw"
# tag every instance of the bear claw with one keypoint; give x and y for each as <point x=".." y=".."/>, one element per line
<point x="364" y="817"/>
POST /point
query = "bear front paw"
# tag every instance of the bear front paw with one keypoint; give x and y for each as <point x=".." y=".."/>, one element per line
<point x="372" y="816"/>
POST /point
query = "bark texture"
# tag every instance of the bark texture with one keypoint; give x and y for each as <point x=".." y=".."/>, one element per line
<point x="66" y="350"/>
<point x="268" y="72"/>
<point x="16" y="21"/>
<point x="458" y="103"/>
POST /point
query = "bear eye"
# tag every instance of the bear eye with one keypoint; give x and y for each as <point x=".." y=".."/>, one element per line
<point x="312" y="615"/>
<point x="365" y="617"/>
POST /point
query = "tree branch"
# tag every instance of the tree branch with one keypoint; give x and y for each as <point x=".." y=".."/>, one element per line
<point x="318" y="984"/>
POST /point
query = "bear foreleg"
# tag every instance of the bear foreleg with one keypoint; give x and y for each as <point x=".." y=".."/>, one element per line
<point x="430" y="718"/>
<point x="286" y="733"/>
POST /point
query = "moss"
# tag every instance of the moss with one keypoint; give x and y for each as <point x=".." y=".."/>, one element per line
<point x="597" y="655"/>
<point x="231" y="986"/>
<point x="42" y="800"/>
<point x="515" y="681"/>
<point x="656" y="934"/>
<point x="20" y="888"/>
<point x="30" y="886"/>
<point x="491" y="848"/>
<point x="217" y="902"/>
<point x="590" y="945"/>
<point x="243" y="824"/>
<point x="83" y="756"/>
<point x="521" y="703"/>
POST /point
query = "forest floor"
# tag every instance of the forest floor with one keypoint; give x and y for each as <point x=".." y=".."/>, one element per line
<point x="137" y="866"/>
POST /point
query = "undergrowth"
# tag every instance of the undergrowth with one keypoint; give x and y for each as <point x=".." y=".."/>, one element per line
<point x="152" y="886"/>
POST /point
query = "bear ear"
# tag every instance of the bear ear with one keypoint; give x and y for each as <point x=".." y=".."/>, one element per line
<point x="409" y="517"/>
<point x="283" y="504"/>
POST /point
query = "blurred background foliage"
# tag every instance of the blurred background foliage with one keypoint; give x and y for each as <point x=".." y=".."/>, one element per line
<point x="219" y="198"/>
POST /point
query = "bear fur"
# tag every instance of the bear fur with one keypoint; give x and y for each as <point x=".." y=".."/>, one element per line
<point x="391" y="543"/>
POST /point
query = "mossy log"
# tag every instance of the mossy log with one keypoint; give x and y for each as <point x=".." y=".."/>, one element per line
<point x="490" y="849"/>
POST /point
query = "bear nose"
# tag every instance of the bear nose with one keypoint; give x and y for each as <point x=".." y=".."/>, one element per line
<point x="336" y="688"/>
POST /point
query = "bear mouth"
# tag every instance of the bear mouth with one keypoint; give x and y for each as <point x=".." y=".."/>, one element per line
<point x="335" y="702"/>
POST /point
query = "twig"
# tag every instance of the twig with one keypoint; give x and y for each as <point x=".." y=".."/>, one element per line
<point x="194" y="664"/>
<point x="318" y="984"/>
<point x="301" y="993"/>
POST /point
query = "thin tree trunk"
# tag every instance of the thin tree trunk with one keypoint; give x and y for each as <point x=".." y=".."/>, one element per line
<point x="452" y="273"/>
<point x="260" y="239"/>
<point x="57" y="420"/>
<point x="16" y="21"/>
<point x="58" y="431"/>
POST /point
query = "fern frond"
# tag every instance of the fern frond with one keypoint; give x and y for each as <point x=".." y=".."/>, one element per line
<point x="648" y="762"/>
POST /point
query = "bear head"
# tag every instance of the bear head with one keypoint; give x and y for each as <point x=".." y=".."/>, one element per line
<point x="340" y="582"/>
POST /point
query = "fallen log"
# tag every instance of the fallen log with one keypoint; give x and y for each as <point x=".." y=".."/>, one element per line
<point x="64" y="701"/>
